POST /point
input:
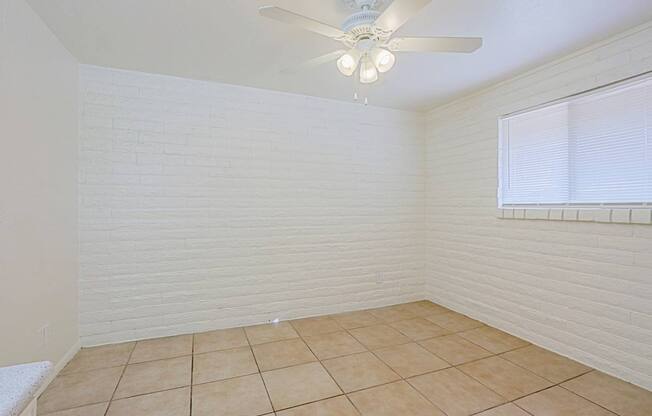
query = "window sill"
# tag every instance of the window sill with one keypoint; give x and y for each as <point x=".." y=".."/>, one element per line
<point x="603" y="215"/>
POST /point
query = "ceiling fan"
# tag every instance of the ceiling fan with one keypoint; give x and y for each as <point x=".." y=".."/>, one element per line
<point x="367" y="36"/>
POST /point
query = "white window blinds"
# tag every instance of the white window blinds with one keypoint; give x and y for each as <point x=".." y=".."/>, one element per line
<point x="591" y="149"/>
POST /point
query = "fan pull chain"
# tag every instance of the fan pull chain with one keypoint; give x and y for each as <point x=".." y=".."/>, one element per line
<point x="355" y="98"/>
<point x="362" y="88"/>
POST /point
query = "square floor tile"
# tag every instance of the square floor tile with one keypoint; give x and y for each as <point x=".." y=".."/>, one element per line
<point x="359" y="371"/>
<point x="378" y="336"/>
<point x="161" y="348"/>
<point x="393" y="400"/>
<point x="219" y="365"/>
<point x="315" y="326"/>
<point x="505" y="378"/>
<point x="359" y="319"/>
<point x="392" y="313"/>
<point x="280" y="354"/>
<point x="92" y="410"/>
<point x="153" y="376"/>
<point x="260" y="334"/>
<point x="455" y="393"/>
<point x="548" y="365"/>
<point x="104" y="356"/>
<point x="165" y="403"/>
<point x="557" y="401"/>
<point x="293" y="386"/>
<point x="242" y="396"/>
<point x="337" y="406"/>
<point x="616" y="395"/>
<point x="492" y="339"/>
<point x="424" y="308"/>
<point x="455" y="349"/>
<point x="454" y="322"/>
<point x="508" y="409"/>
<point x="333" y="345"/>
<point x="79" y="389"/>
<point x="410" y="360"/>
<point x="418" y="329"/>
<point x="222" y="339"/>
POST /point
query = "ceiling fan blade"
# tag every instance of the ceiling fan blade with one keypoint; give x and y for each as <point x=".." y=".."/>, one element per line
<point x="398" y="12"/>
<point x="307" y="23"/>
<point x="434" y="44"/>
<point x="315" y="62"/>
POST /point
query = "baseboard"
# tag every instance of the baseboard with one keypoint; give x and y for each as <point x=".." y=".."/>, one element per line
<point x="59" y="366"/>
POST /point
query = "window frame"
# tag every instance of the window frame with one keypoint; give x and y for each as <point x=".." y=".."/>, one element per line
<point x="503" y="141"/>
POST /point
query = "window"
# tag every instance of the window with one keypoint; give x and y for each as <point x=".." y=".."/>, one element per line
<point x="589" y="150"/>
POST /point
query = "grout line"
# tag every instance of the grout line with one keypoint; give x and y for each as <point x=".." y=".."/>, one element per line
<point x="502" y="404"/>
<point x="141" y="362"/>
<point x="579" y="395"/>
<point x="344" y="394"/>
<point x="368" y="350"/>
<point x="315" y="355"/>
<point x="302" y="404"/>
<point x="424" y="396"/>
<point x="527" y="369"/>
<point x="223" y="350"/>
<point x="161" y="359"/>
<point x="138" y="395"/>
<point x="225" y="379"/>
<point x="479" y="359"/>
<point x="120" y="379"/>
<point x="192" y="372"/>
<point x="401" y="378"/>
<point x="91" y="370"/>
<point x="73" y="408"/>
<point x="353" y="404"/>
<point x="260" y="374"/>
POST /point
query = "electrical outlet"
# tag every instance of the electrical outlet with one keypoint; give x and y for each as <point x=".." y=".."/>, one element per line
<point x="379" y="278"/>
<point x="45" y="334"/>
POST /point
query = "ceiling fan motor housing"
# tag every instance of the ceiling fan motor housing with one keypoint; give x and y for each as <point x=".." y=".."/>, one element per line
<point x="361" y="22"/>
<point x="363" y="4"/>
<point x="360" y="27"/>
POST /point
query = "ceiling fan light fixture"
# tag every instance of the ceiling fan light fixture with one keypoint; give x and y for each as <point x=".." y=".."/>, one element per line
<point x="348" y="62"/>
<point x="383" y="59"/>
<point x="368" y="32"/>
<point x="368" y="71"/>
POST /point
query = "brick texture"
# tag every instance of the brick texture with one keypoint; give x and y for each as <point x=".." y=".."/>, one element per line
<point x="207" y="206"/>
<point x="583" y="289"/>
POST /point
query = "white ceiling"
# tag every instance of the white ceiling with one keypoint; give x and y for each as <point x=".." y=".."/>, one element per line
<point x="227" y="41"/>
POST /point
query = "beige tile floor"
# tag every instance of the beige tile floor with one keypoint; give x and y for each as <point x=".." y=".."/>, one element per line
<point x="415" y="359"/>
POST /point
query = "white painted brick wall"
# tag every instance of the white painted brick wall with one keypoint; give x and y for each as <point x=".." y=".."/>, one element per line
<point x="206" y="206"/>
<point x="583" y="289"/>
